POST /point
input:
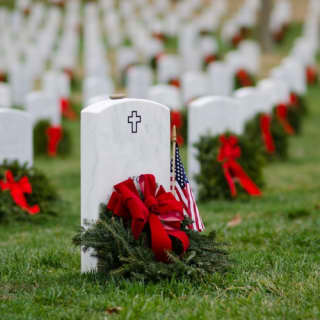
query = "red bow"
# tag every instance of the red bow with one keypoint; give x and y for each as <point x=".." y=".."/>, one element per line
<point x="265" y="125"/>
<point x="66" y="109"/>
<point x="175" y="82"/>
<point x="160" y="210"/>
<point x="229" y="151"/>
<point x="159" y="36"/>
<point x="236" y="39"/>
<point x="244" y="78"/>
<point x="209" y="59"/>
<point x="176" y="120"/>
<point x="282" y="115"/>
<point x="69" y="72"/>
<point x="294" y="101"/>
<point x="311" y="75"/>
<point x="17" y="190"/>
<point x="54" y="134"/>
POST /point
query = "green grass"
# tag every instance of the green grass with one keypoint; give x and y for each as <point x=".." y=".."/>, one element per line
<point x="276" y="253"/>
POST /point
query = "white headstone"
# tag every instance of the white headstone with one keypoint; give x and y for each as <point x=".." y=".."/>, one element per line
<point x="194" y="85"/>
<point x="166" y="95"/>
<point x="16" y="136"/>
<point x="213" y="115"/>
<point x="220" y="79"/>
<point x="139" y="79"/>
<point x="120" y="139"/>
<point x="42" y="106"/>
<point x="96" y="86"/>
<point x="5" y="95"/>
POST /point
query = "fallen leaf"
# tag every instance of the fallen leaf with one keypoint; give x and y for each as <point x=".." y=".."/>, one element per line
<point x="234" y="221"/>
<point x="112" y="310"/>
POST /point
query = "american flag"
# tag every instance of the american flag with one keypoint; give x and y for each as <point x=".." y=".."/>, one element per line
<point x="184" y="194"/>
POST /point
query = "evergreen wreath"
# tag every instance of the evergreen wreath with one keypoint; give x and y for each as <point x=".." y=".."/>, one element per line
<point x="280" y="138"/>
<point x="211" y="179"/>
<point x="40" y="140"/>
<point x="121" y="255"/>
<point x="243" y="79"/>
<point x="43" y="194"/>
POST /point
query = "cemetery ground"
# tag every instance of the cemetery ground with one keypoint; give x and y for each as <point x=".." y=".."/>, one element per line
<point x="275" y="250"/>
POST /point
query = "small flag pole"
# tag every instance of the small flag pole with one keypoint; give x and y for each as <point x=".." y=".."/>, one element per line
<point x="174" y="143"/>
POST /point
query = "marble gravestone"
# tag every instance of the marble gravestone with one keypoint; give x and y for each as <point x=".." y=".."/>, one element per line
<point x="221" y="80"/>
<point x="5" y="95"/>
<point x="139" y="79"/>
<point x="209" y="115"/>
<point x="165" y="94"/>
<point x="16" y="136"/>
<point x="120" y="138"/>
<point x="42" y="106"/>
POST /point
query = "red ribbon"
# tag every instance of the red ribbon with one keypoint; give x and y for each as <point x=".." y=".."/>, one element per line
<point x="17" y="190"/>
<point x="159" y="36"/>
<point x="228" y="153"/>
<point x="282" y="115"/>
<point x="265" y="125"/>
<point x="209" y="59"/>
<point x="66" y="109"/>
<point x="311" y="75"/>
<point x="236" y="39"/>
<point x="294" y="100"/>
<point x="175" y="82"/>
<point x="159" y="209"/>
<point x="69" y="72"/>
<point x="244" y="78"/>
<point x="177" y="120"/>
<point x="54" y="134"/>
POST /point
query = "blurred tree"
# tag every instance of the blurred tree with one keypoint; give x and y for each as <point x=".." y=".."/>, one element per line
<point x="264" y="21"/>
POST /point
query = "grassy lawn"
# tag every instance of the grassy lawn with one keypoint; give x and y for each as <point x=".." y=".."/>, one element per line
<point x="276" y="253"/>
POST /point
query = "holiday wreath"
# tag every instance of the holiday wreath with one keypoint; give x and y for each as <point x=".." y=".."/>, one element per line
<point x="142" y="233"/>
<point x="26" y="193"/>
<point x="51" y="140"/>
<point x="226" y="160"/>
<point x="266" y="132"/>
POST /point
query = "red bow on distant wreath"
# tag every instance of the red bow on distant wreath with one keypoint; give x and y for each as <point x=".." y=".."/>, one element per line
<point x="244" y="78"/>
<point x="54" y="134"/>
<point x="282" y="115"/>
<point x="175" y="82"/>
<point x="159" y="209"/>
<point x="176" y="120"/>
<point x="17" y="190"/>
<point x="209" y="59"/>
<point x="311" y="75"/>
<point x="265" y="125"/>
<point x="66" y="109"/>
<point x="236" y="39"/>
<point x="294" y="100"/>
<point x="228" y="153"/>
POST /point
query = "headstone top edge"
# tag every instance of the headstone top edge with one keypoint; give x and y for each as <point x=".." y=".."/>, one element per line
<point x="16" y="112"/>
<point x="101" y="105"/>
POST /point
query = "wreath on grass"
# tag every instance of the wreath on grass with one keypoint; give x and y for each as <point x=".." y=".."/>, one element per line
<point x="51" y="140"/>
<point x="26" y="193"/>
<point x="225" y="161"/>
<point x="267" y="134"/>
<point x="142" y="234"/>
<point x="243" y="78"/>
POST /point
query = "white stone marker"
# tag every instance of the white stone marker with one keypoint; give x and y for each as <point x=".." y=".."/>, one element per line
<point x="120" y="138"/>
<point x="139" y="79"/>
<point x="213" y="115"/>
<point x="220" y="78"/>
<point x="42" y="106"/>
<point x="16" y="136"/>
<point x="5" y="95"/>
<point x="165" y="94"/>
